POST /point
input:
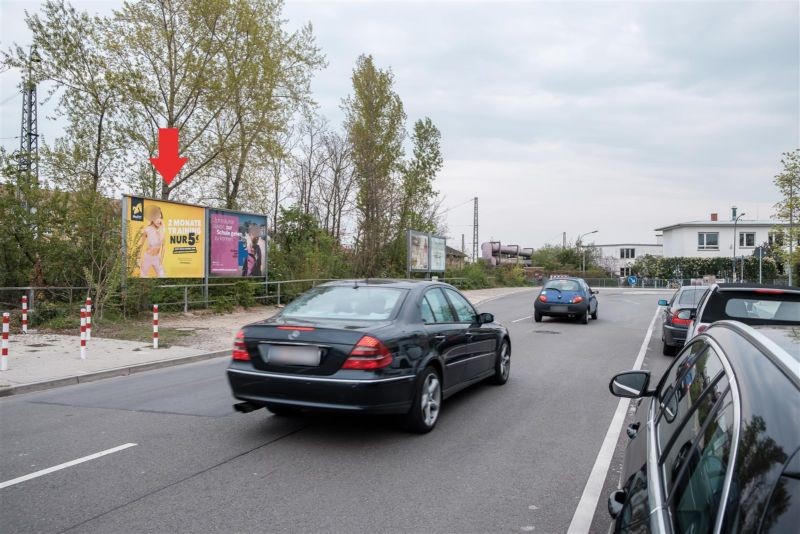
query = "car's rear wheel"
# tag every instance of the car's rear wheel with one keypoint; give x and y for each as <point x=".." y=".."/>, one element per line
<point x="502" y="365"/>
<point x="585" y="317"/>
<point x="537" y="317"/>
<point x="594" y="315"/>
<point x="668" y="350"/>
<point x="427" y="402"/>
<point x="281" y="410"/>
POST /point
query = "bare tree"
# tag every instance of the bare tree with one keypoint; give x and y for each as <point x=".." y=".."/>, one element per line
<point x="339" y="184"/>
<point x="310" y="163"/>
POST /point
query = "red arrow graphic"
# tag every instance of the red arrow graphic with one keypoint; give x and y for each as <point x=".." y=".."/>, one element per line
<point x="168" y="163"/>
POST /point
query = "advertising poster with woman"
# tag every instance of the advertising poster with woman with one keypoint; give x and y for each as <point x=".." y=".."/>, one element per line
<point x="418" y="251"/>
<point x="238" y="244"/>
<point x="165" y="239"/>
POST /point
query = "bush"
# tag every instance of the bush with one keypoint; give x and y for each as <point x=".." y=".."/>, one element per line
<point x="243" y="294"/>
<point x="223" y="305"/>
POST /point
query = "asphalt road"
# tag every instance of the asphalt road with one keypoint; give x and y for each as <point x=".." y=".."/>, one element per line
<point x="512" y="458"/>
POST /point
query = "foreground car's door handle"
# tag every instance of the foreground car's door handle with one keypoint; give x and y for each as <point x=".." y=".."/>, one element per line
<point x="439" y="337"/>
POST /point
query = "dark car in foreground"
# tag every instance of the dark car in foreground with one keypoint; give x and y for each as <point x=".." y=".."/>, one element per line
<point x="677" y="316"/>
<point x="715" y="446"/>
<point x="369" y="346"/>
<point x="753" y="304"/>
<point x="566" y="297"/>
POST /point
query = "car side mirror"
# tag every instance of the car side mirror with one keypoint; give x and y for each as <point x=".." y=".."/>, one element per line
<point x="595" y="291"/>
<point x="663" y="302"/>
<point x="630" y="384"/>
<point x="485" y="318"/>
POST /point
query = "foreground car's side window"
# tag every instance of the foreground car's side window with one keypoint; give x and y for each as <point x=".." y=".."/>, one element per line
<point x="695" y="497"/>
<point x="427" y="312"/>
<point x="439" y="305"/>
<point x="687" y="408"/>
<point x="464" y="310"/>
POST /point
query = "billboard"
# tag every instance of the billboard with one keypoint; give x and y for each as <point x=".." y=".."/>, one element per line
<point x="418" y="251"/>
<point x="164" y="239"/>
<point x="438" y="254"/>
<point x="237" y="244"/>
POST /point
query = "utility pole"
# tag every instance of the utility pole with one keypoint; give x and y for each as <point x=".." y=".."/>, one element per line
<point x="564" y="241"/>
<point x="735" y="220"/>
<point x="791" y="227"/>
<point x="475" y="233"/>
<point x="463" y="245"/>
<point x="28" y="163"/>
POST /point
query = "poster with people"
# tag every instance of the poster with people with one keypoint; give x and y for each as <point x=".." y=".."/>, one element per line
<point x="418" y="251"/>
<point x="164" y="239"/>
<point x="438" y="254"/>
<point x="238" y="244"/>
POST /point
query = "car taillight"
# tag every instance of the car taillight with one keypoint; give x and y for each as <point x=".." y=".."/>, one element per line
<point x="368" y="353"/>
<point x="577" y="299"/>
<point x="239" y="348"/>
<point x="543" y="297"/>
<point x="770" y="291"/>
<point x="679" y="320"/>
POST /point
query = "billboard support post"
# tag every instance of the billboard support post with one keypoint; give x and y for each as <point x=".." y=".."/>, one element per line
<point x="408" y="253"/>
<point x="124" y="243"/>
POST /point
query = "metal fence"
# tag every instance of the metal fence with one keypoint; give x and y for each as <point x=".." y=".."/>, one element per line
<point x="178" y="296"/>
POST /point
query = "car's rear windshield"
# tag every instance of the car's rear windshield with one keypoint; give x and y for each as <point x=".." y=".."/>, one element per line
<point x="365" y="303"/>
<point x="563" y="285"/>
<point x="690" y="297"/>
<point x="753" y="308"/>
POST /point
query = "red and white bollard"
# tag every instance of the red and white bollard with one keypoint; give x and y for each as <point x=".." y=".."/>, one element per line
<point x="4" y="355"/>
<point x="155" y="326"/>
<point x="83" y="333"/>
<point x="88" y="319"/>
<point x="24" y="314"/>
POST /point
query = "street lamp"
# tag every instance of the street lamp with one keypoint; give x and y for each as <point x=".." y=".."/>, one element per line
<point x="583" y="251"/>
<point x="736" y="220"/>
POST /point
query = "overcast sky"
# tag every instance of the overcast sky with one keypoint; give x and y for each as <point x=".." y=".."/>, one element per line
<point x="563" y="116"/>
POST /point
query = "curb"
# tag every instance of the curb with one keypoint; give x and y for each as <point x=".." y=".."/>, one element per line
<point x="107" y="373"/>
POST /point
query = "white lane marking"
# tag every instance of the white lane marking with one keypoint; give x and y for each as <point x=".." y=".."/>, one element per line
<point x="58" y="467"/>
<point x="522" y="319"/>
<point x="582" y="519"/>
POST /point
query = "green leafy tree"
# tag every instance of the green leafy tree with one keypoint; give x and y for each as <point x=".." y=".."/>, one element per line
<point x="375" y="128"/>
<point x="788" y="209"/>
<point x="71" y="52"/>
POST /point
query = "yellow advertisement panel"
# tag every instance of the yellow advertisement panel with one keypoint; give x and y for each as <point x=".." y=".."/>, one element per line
<point x="165" y="239"/>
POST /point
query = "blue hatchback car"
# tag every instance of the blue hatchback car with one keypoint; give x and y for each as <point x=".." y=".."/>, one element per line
<point x="566" y="297"/>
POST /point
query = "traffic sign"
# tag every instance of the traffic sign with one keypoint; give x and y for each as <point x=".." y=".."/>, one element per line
<point x="632" y="280"/>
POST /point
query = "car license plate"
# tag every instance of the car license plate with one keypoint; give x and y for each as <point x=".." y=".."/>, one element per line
<point x="291" y="354"/>
<point x="559" y="308"/>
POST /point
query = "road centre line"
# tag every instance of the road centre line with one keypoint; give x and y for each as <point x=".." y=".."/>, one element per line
<point x="65" y="465"/>
<point x="584" y="513"/>
<point x="522" y="319"/>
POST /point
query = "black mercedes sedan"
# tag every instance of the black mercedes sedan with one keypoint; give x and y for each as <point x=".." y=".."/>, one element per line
<point x="715" y="446"/>
<point x="369" y="346"/>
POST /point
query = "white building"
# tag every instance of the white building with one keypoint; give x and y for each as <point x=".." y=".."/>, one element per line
<point x="714" y="238"/>
<point x="617" y="258"/>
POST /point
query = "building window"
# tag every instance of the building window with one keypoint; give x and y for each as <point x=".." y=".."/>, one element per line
<point x="624" y="271"/>
<point x="776" y="239"/>
<point x="627" y="253"/>
<point x="747" y="239"/>
<point x="708" y="241"/>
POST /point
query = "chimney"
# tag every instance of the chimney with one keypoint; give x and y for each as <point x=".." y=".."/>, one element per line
<point x="733" y="213"/>
<point x="714" y="217"/>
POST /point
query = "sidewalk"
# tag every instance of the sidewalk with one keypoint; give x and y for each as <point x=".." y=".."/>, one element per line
<point x="39" y="361"/>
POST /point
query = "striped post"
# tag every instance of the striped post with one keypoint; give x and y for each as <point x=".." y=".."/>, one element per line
<point x="4" y="356"/>
<point x="88" y="319"/>
<point x="24" y="314"/>
<point x="83" y="333"/>
<point x="155" y="326"/>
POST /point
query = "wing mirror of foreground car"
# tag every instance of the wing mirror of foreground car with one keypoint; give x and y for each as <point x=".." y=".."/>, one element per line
<point x="615" y="503"/>
<point x="630" y="384"/>
<point x="485" y="318"/>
